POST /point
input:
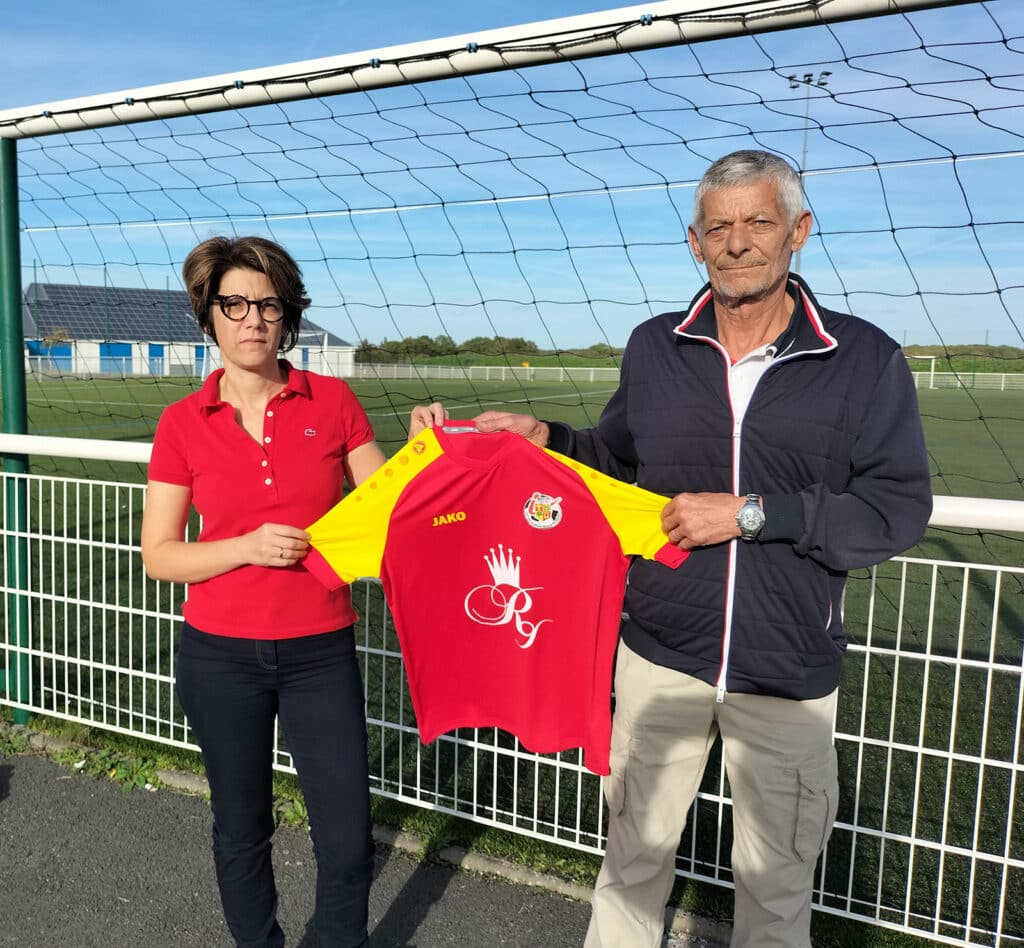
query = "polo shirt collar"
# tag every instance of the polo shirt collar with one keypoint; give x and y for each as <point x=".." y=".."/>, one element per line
<point x="209" y="394"/>
<point x="805" y="332"/>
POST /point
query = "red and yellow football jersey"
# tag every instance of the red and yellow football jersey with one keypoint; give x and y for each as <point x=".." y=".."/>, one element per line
<point x="504" y="567"/>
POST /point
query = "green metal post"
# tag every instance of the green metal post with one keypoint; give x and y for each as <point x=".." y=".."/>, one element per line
<point x="15" y="667"/>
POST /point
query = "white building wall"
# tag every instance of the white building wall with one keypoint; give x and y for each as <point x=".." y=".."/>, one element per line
<point x="180" y="358"/>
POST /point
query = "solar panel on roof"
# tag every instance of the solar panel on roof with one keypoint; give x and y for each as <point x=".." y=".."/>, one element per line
<point x="128" y="314"/>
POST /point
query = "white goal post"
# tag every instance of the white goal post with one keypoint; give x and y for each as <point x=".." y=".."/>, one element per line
<point x="663" y="23"/>
<point x="931" y="367"/>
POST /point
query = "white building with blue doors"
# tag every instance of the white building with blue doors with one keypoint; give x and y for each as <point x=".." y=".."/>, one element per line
<point x="77" y="330"/>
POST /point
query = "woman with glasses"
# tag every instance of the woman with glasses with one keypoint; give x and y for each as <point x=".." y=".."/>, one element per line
<point x="260" y="450"/>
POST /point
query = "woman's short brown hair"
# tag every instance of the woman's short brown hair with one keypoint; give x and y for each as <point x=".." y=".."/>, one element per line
<point x="207" y="263"/>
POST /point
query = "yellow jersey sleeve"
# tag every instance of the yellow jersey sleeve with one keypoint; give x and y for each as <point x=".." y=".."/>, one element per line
<point x="348" y="541"/>
<point x="632" y="512"/>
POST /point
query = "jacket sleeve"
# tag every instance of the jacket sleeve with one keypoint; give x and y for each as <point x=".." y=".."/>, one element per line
<point x="608" y="447"/>
<point x="885" y="505"/>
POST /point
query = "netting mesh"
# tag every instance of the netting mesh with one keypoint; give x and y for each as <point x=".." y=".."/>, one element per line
<point x="549" y="205"/>
<point x="490" y="240"/>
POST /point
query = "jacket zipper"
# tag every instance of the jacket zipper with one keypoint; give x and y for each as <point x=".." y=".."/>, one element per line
<point x="791" y="352"/>
<point x="730" y="586"/>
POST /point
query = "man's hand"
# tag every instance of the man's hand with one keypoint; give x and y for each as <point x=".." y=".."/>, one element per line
<point x="426" y="416"/>
<point x="526" y="425"/>
<point x="691" y="520"/>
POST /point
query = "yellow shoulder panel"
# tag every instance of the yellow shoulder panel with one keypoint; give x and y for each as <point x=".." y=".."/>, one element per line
<point x="634" y="513"/>
<point x="352" y="534"/>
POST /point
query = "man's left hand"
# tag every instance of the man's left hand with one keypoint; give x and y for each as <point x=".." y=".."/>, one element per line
<point x="691" y="520"/>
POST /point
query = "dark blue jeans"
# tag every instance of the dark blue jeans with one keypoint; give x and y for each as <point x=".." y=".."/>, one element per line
<point x="232" y="690"/>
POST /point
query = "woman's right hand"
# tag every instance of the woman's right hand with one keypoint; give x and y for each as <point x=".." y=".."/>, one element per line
<point x="426" y="416"/>
<point x="167" y="556"/>
<point x="276" y="545"/>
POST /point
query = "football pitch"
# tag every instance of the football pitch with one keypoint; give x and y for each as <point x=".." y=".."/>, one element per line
<point x="975" y="437"/>
<point x="128" y="409"/>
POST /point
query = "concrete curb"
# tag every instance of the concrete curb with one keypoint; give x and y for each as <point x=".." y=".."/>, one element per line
<point x="708" y="932"/>
<point x="184" y="782"/>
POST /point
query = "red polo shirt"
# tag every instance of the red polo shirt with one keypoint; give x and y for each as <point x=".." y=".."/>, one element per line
<point x="294" y="476"/>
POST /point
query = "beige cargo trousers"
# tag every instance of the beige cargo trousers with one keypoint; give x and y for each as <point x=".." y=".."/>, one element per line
<point x="781" y="764"/>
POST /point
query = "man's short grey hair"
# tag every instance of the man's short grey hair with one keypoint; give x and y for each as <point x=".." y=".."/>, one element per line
<point x="744" y="167"/>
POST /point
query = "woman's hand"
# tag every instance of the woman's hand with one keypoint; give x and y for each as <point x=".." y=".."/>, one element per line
<point x="168" y="556"/>
<point x="276" y="545"/>
<point x="426" y="416"/>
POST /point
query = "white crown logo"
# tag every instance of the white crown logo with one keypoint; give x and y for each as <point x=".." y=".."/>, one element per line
<point x="504" y="566"/>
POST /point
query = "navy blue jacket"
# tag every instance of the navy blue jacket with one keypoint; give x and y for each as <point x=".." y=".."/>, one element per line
<point x="831" y="439"/>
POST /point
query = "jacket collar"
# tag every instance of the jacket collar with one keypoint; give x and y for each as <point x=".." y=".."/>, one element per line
<point x="806" y="332"/>
<point x="209" y="394"/>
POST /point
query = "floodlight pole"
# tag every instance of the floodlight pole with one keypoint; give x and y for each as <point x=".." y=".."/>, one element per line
<point x="808" y="79"/>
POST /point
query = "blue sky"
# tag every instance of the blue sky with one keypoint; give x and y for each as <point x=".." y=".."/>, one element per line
<point x="54" y="49"/>
<point x="590" y="167"/>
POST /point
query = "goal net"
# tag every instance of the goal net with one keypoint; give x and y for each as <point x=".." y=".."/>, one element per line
<point x="543" y="206"/>
<point x="482" y="220"/>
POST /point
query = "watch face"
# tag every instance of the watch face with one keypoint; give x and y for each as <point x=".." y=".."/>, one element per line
<point x="750" y="518"/>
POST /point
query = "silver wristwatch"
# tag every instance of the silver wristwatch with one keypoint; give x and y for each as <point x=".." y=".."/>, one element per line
<point x="750" y="518"/>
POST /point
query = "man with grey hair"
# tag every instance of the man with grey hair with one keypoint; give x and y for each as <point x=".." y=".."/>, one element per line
<point x="789" y="441"/>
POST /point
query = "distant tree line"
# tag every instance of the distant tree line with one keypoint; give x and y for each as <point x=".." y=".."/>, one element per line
<point x="1011" y="353"/>
<point x="515" y="350"/>
<point x="424" y="348"/>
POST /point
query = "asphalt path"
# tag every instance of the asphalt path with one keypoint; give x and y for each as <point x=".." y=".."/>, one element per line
<point x="85" y="863"/>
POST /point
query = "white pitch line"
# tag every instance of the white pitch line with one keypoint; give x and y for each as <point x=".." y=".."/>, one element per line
<point x="43" y="402"/>
<point x="505" y="401"/>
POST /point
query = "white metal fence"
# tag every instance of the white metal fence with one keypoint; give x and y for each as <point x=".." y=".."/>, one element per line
<point x="990" y="381"/>
<point x="488" y="373"/>
<point x="340" y="362"/>
<point x="930" y="836"/>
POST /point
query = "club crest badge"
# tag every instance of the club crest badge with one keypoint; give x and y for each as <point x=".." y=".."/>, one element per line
<point x="543" y="511"/>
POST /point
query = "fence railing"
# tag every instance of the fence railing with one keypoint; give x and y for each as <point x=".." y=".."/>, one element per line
<point x="488" y="373"/>
<point x="990" y="381"/>
<point x="930" y="835"/>
<point x="339" y="362"/>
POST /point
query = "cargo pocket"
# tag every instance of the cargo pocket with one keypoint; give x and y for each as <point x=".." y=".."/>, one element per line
<point x="817" y="806"/>
<point x="618" y="760"/>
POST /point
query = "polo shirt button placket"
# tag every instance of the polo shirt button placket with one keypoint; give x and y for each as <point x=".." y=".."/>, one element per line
<point x="268" y="481"/>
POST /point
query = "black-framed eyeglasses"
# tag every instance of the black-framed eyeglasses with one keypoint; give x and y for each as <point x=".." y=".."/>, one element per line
<point x="236" y="308"/>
